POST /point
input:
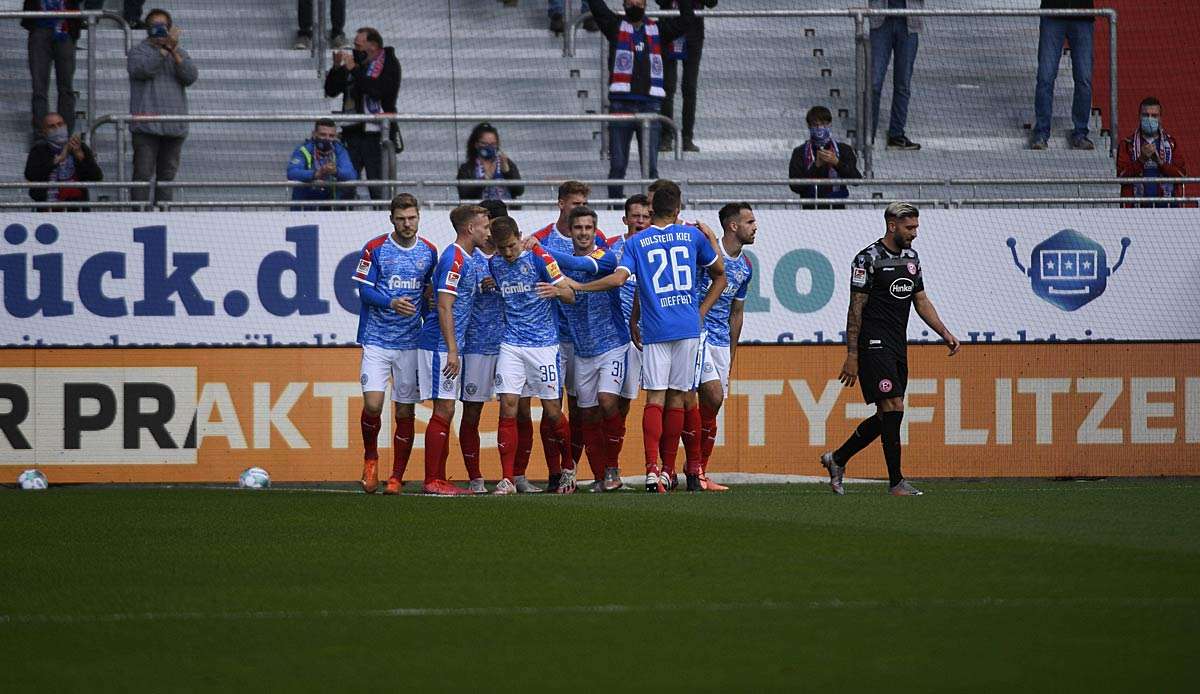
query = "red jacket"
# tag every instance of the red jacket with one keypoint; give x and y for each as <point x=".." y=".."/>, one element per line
<point x="1129" y="165"/>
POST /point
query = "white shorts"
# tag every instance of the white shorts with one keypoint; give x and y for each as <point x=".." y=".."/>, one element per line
<point x="435" y="386"/>
<point x="672" y="365"/>
<point x="566" y="350"/>
<point x="715" y="366"/>
<point x="529" y="372"/>
<point x="479" y="377"/>
<point x="603" y="373"/>
<point x="379" y="365"/>
<point x="632" y="382"/>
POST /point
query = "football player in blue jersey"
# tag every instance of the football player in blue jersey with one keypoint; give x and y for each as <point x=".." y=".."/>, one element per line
<point x="723" y="326"/>
<point x="556" y="236"/>
<point x="456" y="286"/>
<point x="529" y="282"/>
<point x="601" y="338"/>
<point x="393" y="275"/>
<point x="665" y="257"/>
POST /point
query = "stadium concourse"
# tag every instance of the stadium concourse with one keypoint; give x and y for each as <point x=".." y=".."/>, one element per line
<point x="972" y="101"/>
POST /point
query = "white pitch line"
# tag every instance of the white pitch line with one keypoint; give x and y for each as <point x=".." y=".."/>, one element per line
<point x="517" y="610"/>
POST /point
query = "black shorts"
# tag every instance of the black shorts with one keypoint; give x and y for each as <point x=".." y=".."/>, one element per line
<point x="882" y="374"/>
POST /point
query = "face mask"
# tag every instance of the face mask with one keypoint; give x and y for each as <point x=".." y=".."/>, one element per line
<point x="635" y="14"/>
<point x="820" y="134"/>
<point x="486" y="152"/>
<point x="157" y="31"/>
<point x="324" y="145"/>
<point x="1149" y="125"/>
<point x="58" y="136"/>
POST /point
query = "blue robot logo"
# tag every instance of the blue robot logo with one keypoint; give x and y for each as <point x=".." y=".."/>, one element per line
<point x="1068" y="269"/>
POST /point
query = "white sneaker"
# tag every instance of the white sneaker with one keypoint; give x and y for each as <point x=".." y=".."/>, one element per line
<point x="654" y="484"/>
<point x="612" y="479"/>
<point x="566" y="483"/>
<point x="524" y="486"/>
<point x="505" y="487"/>
<point x="476" y="486"/>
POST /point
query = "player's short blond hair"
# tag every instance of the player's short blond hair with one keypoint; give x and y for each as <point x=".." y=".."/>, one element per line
<point x="900" y="210"/>
<point x="463" y="214"/>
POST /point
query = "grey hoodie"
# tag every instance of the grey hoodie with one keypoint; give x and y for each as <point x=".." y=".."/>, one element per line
<point x="157" y="86"/>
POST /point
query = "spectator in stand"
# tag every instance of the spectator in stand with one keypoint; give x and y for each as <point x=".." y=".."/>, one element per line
<point x="368" y="79"/>
<point x="51" y="42"/>
<point x="636" y="48"/>
<point x="1053" y="31"/>
<point x="320" y="161"/>
<point x="822" y="157"/>
<point x="60" y="156"/>
<point x="487" y="162"/>
<point x="687" y="50"/>
<point x="554" y="9"/>
<point x="337" y="22"/>
<point x="131" y="10"/>
<point x="160" y="72"/>
<point x="894" y="39"/>
<point x="1151" y="153"/>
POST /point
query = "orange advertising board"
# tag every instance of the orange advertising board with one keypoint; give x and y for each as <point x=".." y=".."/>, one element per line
<point x="203" y="415"/>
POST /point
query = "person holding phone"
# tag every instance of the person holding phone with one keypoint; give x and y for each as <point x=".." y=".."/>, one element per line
<point x="821" y="156"/>
<point x="487" y="162"/>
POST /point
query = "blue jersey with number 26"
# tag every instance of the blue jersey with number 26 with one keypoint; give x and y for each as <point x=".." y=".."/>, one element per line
<point x="665" y="261"/>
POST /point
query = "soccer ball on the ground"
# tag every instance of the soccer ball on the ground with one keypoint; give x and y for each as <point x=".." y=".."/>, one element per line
<point x="32" y="479"/>
<point x="254" y="478"/>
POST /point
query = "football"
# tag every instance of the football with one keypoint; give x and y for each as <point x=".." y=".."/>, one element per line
<point x="254" y="478"/>
<point x="33" y="480"/>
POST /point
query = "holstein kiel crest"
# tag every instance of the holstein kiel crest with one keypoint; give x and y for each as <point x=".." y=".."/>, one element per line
<point x="1068" y="269"/>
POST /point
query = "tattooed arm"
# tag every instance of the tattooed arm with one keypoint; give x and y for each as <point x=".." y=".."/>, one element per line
<point x="849" y="372"/>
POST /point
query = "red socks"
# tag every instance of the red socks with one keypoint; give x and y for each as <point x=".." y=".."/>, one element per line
<point x="597" y="450"/>
<point x="708" y="434"/>
<point x="507" y="441"/>
<point x="437" y="441"/>
<point x="668" y="447"/>
<point x="565" y="445"/>
<point x="577" y="439"/>
<point x="613" y="429"/>
<point x="468" y="441"/>
<point x="691" y="440"/>
<point x="402" y="443"/>
<point x="652" y="433"/>
<point x="524" y="446"/>
<point x="550" y="445"/>
<point x="370" y="434"/>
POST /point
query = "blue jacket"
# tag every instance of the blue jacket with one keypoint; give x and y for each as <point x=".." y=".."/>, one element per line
<point x="302" y="165"/>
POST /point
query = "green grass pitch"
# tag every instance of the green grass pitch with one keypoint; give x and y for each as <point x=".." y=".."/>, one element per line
<point x="977" y="586"/>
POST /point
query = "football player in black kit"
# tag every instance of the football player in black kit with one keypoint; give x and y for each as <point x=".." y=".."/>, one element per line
<point x="885" y="281"/>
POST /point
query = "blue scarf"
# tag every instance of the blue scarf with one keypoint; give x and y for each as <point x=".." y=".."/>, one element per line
<point x="64" y="171"/>
<point x="492" y="192"/>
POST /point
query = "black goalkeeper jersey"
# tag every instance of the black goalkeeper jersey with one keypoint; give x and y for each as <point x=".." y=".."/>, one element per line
<point x="890" y="280"/>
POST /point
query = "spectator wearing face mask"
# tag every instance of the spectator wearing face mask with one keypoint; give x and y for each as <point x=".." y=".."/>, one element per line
<point x="1151" y="153"/>
<point x="487" y="162"/>
<point x="60" y="156"/>
<point x="822" y="157"/>
<point x="320" y="161"/>
<point x="368" y="80"/>
<point x="52" y="44"/>
<point x="160" y="72"/>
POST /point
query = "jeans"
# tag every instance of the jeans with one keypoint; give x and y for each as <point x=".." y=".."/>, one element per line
<point x="1050" y="46"/>
<point x="691" y="78"/>
<point x="554" y="8"/>
<point x="893" y="38"/>
<point x="619" y="136"/>
<point x="44" y="51"/>
<point x="157" y="157"/>
<point x="366" y="152"/>
<point x="337" y="16"/>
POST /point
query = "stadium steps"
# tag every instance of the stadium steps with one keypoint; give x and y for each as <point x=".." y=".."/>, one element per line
<point x="973" y="87"/>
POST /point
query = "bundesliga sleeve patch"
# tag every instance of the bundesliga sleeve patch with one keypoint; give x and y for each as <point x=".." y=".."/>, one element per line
<point x="858" y="277"/>
<point x="364" y="266"/>
<point x="452" y="279"/>
<point x="552" y="268"/>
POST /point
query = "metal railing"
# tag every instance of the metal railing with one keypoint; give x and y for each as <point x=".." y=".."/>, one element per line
<point x="946" y="197"/>
<point x="862" y="58"/>
<point x="644" y="121"/>
<point x="91" y="19"/>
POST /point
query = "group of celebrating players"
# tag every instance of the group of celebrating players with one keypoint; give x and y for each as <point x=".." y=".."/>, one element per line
<point x="567" y="310"/>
